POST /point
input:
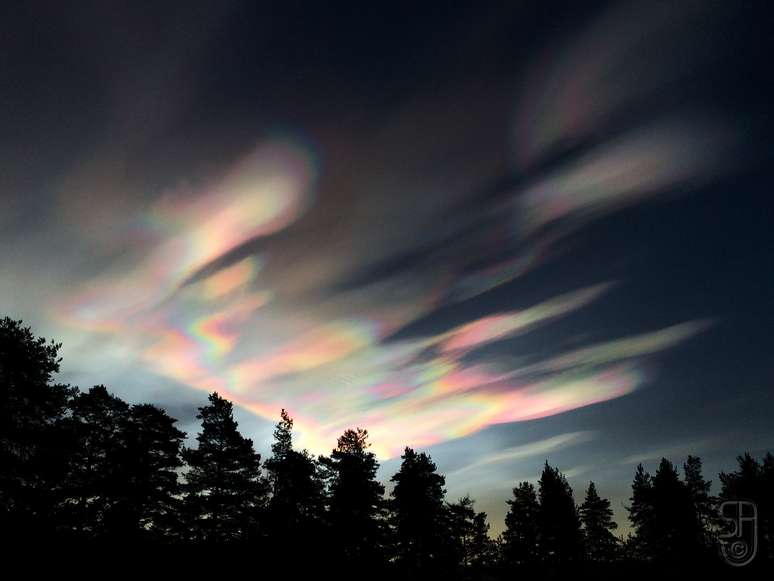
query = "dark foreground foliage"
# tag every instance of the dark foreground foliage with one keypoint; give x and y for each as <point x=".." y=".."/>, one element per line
<point x="81" y="468"/>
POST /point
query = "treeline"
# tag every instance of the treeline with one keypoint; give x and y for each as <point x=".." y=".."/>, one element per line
<point x="87" y="467"/>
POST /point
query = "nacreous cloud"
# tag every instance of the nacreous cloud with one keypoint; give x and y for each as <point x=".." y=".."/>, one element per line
<point x="283" y="283"/>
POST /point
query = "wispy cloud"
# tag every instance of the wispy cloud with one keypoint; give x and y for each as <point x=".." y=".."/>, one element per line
<point x="677" y="452"/>
<point x="530" y="450"/>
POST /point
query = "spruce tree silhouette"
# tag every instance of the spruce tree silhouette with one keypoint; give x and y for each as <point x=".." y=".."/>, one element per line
<point x="561" y="538"/>
<point x="418" y="515"/>
<point x="296" y="511"/>
<point x="224" y="488"/>
<point x="356" y="507"/>
<point x="641" y="514"/>
<point x="597" y="518"/>
<point x="754" y="481"/>
<point x="664" y="516"/>
<point x="32" y="456"/>
<point x="703" y="504"/>
<point x="521" y="536"/>
<point x="676" y="522"/>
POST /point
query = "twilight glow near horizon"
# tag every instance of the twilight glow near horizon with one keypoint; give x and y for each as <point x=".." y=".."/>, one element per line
<point x="548" y="240"/>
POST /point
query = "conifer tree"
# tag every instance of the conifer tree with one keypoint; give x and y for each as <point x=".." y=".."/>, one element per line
<point x="32" y="446"/>
<point x="676" y="523"/>
<point x="471" y="547"/>
<point x="149" y="463"/>
<point x="766" y="505"/>
<point x="355" y="500"/>
<point x="296" y="509"/>
<point x="663" y="515"/>
<point x="418" y="514"/>
<point x="96" y="507"/>
<point x="703" y="503"/>
<point x="754" y="481"/>
<point x="597" y="518"/>
<point x="520" y="543"/>
<point x="225" y="490"/>
<point x="561" y="538"/>
<point x="641" y="514"/>
<point x="482" y="550"/>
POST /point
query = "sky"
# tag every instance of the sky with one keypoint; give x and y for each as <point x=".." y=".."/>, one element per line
<point x="502" y="233"/>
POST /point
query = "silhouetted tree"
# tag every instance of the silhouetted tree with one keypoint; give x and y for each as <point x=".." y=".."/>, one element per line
<point x="629" y="549"/>
<point x="296" y="509"/>
<point x="90" y="467"/>
<point x="766" y="502"/>
<point x="597" y="518"/>
<point x="418" y="515"/>
<point x="356" y="507"/>
<point x="31" y="444"/>
<point x="225" y="491"/>
<point x="482" y="549"/>
<point x="641" y="514"/>
<point x="471" y="548"/>
<point x="122" y="482"/>
<point x="96" y="507"/>
<point x="754" y="481"/>
<point x="703" y="503"/>
<point x="520" y="542"/>
<point x="662" y="512"/>
<point x="561" y="538"/>
<point x="677" y="527"/>
<point x="149" y="462"/>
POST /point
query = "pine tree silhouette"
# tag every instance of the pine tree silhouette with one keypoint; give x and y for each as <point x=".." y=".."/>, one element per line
<point x="296" y="510"/>
<point x="97" y="507"/>
<point x="418" y="515"/>
<point x="561" y="539"/>
<point x="356" y="507"/>
<point x="521" y="546"/>
<point x="32" y="452"/>
<point x="122" y="484"/>
<point x="676" y="521"/>
<point x="664" y="516"/>
<point x="481" y="553"/>
<point x="754" y="481"/>
<point x="225" y="491"/>
<point x="149" y="462"/>
<point x="703" y="504"/>
<point x="641" y="514"/>
<point x="597" y="518"/>
<point x="88" y="467"/>
<point x="471" y="549"/>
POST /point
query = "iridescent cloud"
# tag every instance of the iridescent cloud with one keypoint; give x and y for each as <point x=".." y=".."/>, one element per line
<point x="499" y="326"/>
<point x="228" y="286"/>
<point x="230" y="279"/>
<point x="618" y="350"/>
<point x="632" y="167"/>
<point x="339" y="372"/>
<point x="262" y="194"/>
